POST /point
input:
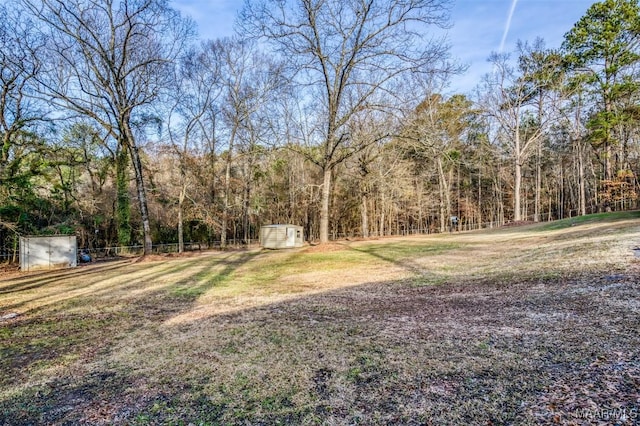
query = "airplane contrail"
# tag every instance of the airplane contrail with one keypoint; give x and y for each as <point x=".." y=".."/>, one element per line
<point x="508" y="25"/>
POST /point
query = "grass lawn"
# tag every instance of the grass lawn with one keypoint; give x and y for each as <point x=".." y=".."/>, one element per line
<point x="537" y="324"/>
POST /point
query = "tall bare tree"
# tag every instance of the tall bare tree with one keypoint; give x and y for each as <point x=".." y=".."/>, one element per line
<point x="109" y="60"/>
<point x="248" y="80"/>
<point x="197" y="89"/>
<point x="542" y="70"/>
<point x="511" y="98"/>
<point x="348" y="56"/>
<point x="434" y="135"/>
<point x="19" y="114"/>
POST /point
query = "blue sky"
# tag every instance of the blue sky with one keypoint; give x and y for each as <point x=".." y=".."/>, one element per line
<point x="479" y="27"/>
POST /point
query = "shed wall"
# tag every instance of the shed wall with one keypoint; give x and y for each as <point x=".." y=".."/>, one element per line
<point x="273" y="237"/>
<point x="281" y="236"/>
<point x="48" y="252"/>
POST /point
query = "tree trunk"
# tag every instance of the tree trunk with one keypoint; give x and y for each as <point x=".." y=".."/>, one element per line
<point x="445" y="197"/>
<point x="421" y="225"/>
<point x="382" y="215"/>
<point x="480" y="197"/>
<point x="324" y="209"/>
<point x="227" y="186"/>
<point x="443" y="213"/>
<point x="561" y="191"/>
<point x="123" y="203"/>
<point x="225" y="205"/>
<point x="517" y="215"/>
<point x="536" y="213"/>
<point x="579" y="146"/>
<point x="139" y="176"/>
<point x="142" y="198"/>
<point x="365" y="216"/>
<point x="536" y="210"/>
<point x="180" y="219"/>
<point x="247" y="205"/>
<point x="581" y="177"/>
<point x="458" y="222"/>
<point x="608" y="107"/>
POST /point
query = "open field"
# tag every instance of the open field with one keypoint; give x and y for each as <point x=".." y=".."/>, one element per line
<point x="526" y="325"/>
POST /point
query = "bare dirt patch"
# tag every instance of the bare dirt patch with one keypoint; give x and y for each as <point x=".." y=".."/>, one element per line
<point x="324" y="248"/>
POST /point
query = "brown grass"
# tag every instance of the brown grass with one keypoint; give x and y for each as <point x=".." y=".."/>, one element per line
<point x="511" y="326"/>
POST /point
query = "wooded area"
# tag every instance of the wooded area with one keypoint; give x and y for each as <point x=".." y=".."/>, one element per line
<point x="120" y="126"/>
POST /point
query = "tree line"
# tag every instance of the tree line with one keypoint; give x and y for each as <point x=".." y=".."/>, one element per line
<point x="119" y="125"/>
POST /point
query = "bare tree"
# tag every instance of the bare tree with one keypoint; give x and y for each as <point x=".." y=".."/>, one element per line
<point x="248" y="79"/>
<point x="573" y="122"/>
<point x="542" y="70"/>
<point x="347" y="56"/>
<point x="109" y="60"/>
<point x="434" y="133"/>
<point x="511" y="97"/>
<point x="19" y="113"/>
<point x="197" y="89"/>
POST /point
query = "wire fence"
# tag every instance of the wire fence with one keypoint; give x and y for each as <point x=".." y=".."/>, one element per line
<point x="138" y="250"/>
<point x="10" y="255"/>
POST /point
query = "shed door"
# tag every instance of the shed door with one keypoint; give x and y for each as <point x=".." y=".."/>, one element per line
<point x="291" y="237"/>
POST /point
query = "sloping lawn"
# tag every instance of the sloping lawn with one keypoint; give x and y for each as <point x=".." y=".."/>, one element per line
<point x="530" y="325"/>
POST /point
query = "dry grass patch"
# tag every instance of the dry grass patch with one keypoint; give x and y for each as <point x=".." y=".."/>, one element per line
<point x="524" y="326"/>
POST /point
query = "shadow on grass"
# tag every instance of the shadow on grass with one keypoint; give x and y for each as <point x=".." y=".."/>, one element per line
<point x="40" y="279"/>
<point x="195" y="286"/>
<point x="84" y="326"/>
<point x="376" y="354"/>
<point x="403" y="255"/>
<point x="384" y="354"/>
<point x="94" y="283"/>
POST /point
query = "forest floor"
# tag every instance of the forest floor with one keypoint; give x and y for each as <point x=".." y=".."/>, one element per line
<point x="535" y="324"/>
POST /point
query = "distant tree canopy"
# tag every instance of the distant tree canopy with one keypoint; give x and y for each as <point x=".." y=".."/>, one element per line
<point x="119" y="126"/>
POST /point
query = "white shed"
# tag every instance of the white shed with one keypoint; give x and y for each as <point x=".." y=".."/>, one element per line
<point x="281" y="236"/>
<point x="49" y="252"/>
